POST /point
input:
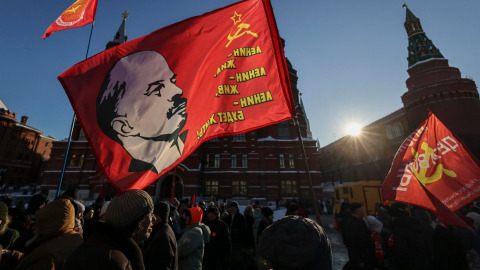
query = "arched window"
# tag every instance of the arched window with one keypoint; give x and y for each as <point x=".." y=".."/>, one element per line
<point x="390" y="134"/>
<point x="398" y="129"/>
<point x="73" y="161"/>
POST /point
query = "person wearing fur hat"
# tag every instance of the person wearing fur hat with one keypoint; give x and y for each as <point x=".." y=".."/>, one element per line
<point x="295" y="242"/>
<point x="7" y="235"/>
<point x="113" y="244"/>
<point x="361" y="250"/>
<point x="218" y="251"/>
<point x="54" y="241"/>
<point x="267" y="220"/>
<point x="192" y="243"/>
<point x="160" y="251"/>
<point x="238" y="231"/>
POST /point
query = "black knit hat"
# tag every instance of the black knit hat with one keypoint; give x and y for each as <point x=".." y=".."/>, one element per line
<point x="355" y="206"/>
<point x="233" y="204"/>
<point x="267" y="211"/>
<point x="162" y="209"/>
<point x="295" y="242"/>
<point x="212" y="209"/>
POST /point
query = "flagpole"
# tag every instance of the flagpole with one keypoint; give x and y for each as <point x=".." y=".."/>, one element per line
<point x="309" y="176"/>
<point x="71" y="128"/>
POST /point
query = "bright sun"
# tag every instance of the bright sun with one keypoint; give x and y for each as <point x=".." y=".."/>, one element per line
<point x="354" y="129"/>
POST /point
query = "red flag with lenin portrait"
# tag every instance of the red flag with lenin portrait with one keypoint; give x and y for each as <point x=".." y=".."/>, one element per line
<point x="147" y="104"/>
<point x="433" y="169"/>
<point x="80" y="13"/>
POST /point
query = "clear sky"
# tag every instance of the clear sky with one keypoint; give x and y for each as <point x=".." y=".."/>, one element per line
<point x="350" y="54"/>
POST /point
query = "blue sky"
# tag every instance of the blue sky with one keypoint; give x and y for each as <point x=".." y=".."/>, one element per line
<point x="350" y="55"/>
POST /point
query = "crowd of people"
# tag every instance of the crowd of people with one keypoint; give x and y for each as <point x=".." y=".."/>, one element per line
<point x="402" y="237"/>
<point x="131" y="232"/>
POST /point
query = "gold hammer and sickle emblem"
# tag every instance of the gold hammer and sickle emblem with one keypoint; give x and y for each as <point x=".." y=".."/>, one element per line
<point x="239" y="33"/>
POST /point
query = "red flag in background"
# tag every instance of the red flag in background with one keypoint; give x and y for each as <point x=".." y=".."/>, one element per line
<point x="147" y="104"/>
<point x="192" y="200"/>
<point x="80" y="13"/>
<point x="433" y="169"/>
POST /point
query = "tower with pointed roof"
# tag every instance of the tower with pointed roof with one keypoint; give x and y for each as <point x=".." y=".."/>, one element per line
<point x="435" y="85"/>
<point x="121" y="35"/>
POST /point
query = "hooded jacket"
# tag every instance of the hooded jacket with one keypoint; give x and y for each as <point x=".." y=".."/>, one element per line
<point x="192" y="243"/>
<point x="218" y="251"/>
<point x="56" y="238"/>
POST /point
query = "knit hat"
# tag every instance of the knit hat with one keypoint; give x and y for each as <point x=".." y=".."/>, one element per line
<point x="267" y="211"/>
<point x="212" y="209"/>
<point x="295" y="242"/>
<point x="474" y="216"/>
<point x="104" y="208"/>
<point x="292" y="208"/>
<point x="233" y="204"/>
<point x="128" y="206"/>
<point x="80" y="207"/>
<point x="398" y="210"/>
<point x="354" y="206"/>
<point x="162" y="210"/>
<point x="3" y="211"/>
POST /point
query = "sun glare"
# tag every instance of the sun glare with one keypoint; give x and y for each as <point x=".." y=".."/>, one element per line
<point x="354" y="129"/>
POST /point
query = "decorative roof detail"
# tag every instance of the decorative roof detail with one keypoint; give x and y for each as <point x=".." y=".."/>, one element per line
<point x="121" y="35"/>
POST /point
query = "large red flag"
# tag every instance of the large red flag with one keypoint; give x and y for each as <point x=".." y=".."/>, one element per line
<point x="147" y="104"/>
<point x="433" y="169"/>
<point x="80" y="13"/>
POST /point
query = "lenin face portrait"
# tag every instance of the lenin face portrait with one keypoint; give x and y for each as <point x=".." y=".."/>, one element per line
<point x="140" y="107"/>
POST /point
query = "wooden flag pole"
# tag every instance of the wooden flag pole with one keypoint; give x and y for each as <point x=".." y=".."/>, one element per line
<point x="312" y="192"/>
<point x="59" y="187"/>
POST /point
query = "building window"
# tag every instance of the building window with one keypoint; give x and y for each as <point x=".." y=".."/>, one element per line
<point x="46" y="144"/>
<point x="234" y="161"/>
<point x="44" y="153"/>
<point x="398" y="129"/>
<point x="284" y="130"/>
<point x="216" y="161"/>
<point x="245" y="161"/>
<point x="72" y="160"/>
<point x="207" y="161"/>
<point x="81" y="136"/>
<point x="390" y="134"/>
<point x="282" y="161"/>
<point x="239" y="137"/>
<point x="80" y="161"/>
<point x="289" y="188"/>
<point x="211" y="188"/>
<point x="239" y="188"/>
<point x="291" y="161"/>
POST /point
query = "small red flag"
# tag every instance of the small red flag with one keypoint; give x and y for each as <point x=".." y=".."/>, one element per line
<point x="192" y="200"/>
<point x="80" y="13"/>
<point x="433" y="169"/>
<point x="149" y="103"/>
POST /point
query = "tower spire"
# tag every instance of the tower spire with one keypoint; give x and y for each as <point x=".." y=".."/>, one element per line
<point x="121" y="35"/>
<point x="420" y="47"/>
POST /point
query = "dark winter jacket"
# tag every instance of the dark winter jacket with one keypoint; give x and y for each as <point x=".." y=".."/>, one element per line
<point x="250" y="240"/>
<point x="448" y="253"/>
<point x="264" y="223"/>
<point x="238" y="229"/>
<point x="411" y="246"/>
<point x="8" y="237"/>
<point x="160" y="250"/>
<point x="342" y="218"/>
<point x="106" y="248"/>
<point x="218" y="251"/>
<point x="192" y="243"/>
<point x="358" y="241"/>
<point x="467" y="239"/>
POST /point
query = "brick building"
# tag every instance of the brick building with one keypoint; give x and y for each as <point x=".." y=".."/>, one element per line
<point x="23" y="149"/>
<point x="432" y="84"/>
<point x="264" y="163"/>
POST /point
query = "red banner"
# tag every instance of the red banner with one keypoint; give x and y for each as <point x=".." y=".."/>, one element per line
<point x="433" y="169"/>
<point x="80" y="13"/>
<point x="147" y="104"/>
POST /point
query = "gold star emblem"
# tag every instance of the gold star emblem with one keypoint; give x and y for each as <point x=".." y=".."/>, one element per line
<point x="125" y="14"/>
<point x="236" y="18"/>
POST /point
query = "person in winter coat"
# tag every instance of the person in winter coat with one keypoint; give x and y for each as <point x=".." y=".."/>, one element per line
<point x="160" y="251"/>
<point x="218" y="251"/>
<point x="448" y="253"/>
<point x="7" y="235"/>
<point x="192" y="243"/>
<point x="295" y="242"/>
<point x="113" y="244"/>
<point x="257" y="215"/>
<point x="250" y="240"/>
<point x="267" y="220"/>
<point x="55" y="240"/>
<point x="361" y="250"/>
<point x="411" y="247"/>
<point x="238" y="231"/>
